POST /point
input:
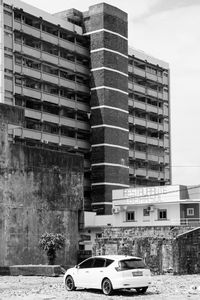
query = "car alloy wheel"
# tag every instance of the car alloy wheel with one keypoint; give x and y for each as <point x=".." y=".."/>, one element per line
<point x="69" y="283"/>
<point x="107" y="287"/>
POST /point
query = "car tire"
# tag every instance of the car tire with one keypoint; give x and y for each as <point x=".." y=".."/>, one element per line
<point x="69" y="283"/>
<point x="141" y="290"/>
<point x="107" y="287"/>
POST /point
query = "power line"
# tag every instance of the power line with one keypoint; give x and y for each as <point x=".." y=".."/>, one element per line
<point x="188" y="166"/>
<point x="168" y="192"/>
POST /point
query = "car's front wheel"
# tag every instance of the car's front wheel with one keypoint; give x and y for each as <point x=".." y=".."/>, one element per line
<point x="107" y="286"/>
<point x="141" y="290"/>
<point x="69" y="283"/>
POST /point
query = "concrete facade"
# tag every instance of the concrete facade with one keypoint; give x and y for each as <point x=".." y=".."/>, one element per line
<point x="41" y="191"/>
<point x="83" y="90"/>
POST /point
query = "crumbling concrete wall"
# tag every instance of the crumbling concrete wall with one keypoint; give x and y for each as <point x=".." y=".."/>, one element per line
<point x="188" y="252"/>
<point x="156" y="245"/>
<point x="40" y="191"/>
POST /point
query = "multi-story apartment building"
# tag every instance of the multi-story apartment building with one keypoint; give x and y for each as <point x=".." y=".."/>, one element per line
<point x="83" y="90"/>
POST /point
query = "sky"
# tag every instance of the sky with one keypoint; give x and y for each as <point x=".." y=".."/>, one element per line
<point x="168" y="30"/>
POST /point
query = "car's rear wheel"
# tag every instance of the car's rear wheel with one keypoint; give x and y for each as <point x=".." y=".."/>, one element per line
<point x="69" y="283"/>
<point x="141" y="290"/>
<point x="107" y="286"/>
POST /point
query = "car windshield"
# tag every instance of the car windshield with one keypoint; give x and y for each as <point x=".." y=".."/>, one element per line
<point x="132" y="264"/>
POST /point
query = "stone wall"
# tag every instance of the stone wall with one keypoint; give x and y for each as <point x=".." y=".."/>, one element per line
<point x="40" y="191"/>
<point x="156" y="245"/>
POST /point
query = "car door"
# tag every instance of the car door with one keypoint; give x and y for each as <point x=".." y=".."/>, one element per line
<point x="96" y="273"/>
<point x="83" y="273"/>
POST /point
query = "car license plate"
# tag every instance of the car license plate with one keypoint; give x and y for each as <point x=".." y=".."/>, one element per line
<point x="137" y="273"/>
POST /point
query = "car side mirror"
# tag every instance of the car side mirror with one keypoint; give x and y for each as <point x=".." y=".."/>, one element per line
<point x="77" y="266"/>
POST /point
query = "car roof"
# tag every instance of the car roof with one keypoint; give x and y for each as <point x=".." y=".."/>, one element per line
<point x="117" y="257"/>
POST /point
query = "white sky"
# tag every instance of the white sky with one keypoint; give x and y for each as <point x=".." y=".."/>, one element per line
<point x="169" y="30"/>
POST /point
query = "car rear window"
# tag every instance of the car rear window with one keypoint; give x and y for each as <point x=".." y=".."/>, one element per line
<point x="132" y="264"/>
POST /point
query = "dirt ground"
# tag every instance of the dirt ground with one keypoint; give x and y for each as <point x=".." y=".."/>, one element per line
<point x="164" y="287"/>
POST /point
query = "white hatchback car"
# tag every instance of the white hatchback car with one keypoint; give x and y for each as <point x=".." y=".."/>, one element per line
<point x="109" y="272"/>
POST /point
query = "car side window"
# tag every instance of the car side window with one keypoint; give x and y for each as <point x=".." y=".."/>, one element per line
<point x="86" y="264"/>
<point x="99" y="263"/>
<point x="109" y="262"/>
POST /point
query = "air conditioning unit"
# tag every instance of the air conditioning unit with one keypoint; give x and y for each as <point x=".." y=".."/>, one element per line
<point x="150" y="208"/>
<point x="115" y="210"/>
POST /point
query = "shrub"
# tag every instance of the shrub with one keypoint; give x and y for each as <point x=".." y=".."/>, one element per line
<point x="50" y="243"/>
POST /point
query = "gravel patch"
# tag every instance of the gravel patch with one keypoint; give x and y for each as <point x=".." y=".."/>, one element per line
<point x="164" y="287"/>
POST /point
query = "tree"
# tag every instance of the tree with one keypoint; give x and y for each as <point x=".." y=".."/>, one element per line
<point x="50" y="243"/>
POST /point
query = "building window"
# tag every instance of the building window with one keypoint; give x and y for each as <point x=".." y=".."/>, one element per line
<point x="162" y="214"/>
<point x="146" y="212"/>
<point x="190" y="211"/>
<point x="130" y="216"/>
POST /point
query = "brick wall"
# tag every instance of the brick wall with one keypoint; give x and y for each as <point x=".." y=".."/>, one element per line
<point x="107" y="26"/>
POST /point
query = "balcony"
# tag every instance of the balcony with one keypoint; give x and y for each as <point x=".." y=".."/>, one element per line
<point x="139" y="121"/>
<point x="141" y="172"/>
<point x="160" y="95"/>
<point x="27" y="92"/>
<point x="139" y="88"/>
<point x="153" y="174"/>
<point x="152" y="108"/>
<point x="73" y="47"/>
<point x="30" y="72"/>
<point x="153" y="125"/>
<point x="140" y="138"/>
<point x="138" y="104"/>
<point x="131" y="170"/>
<point x="50" y="78"/>
<point x="152" y="141"/>
<point x="139" y="72"/>
<point x="74" y="85"/>
<point x="74" y="123"/>
<point x="154" y="158"/>
<point x="23" y="49"/>
<point x="49" y="58"/>
<point x="30" y="30"/>
<point x="140" y="155"/>
<point x="151" y="76"/>
<point x="130" y="136"/>
<point x="166" y="126"/>
<point x="165" y="96"/>
<point x="64" y="63"/>
<point x="152" y="93"/>
<point x="165" y="80"/>
<point x="50" y="38"/>
<point x="50" y="98"/>
<point x="167" y="160"/>
<point x="131" y="153"/>
<point x="166" y="110"/>
<point x="33" y="114"/>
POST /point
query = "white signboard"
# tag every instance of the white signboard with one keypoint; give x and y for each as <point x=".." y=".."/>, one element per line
<point x="147" y="195"/>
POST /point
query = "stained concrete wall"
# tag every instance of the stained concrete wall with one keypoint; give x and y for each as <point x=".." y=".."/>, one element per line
<point x="188" y="252"/>
<point x="157" y="245"/>
<point x="40" y="191"/>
